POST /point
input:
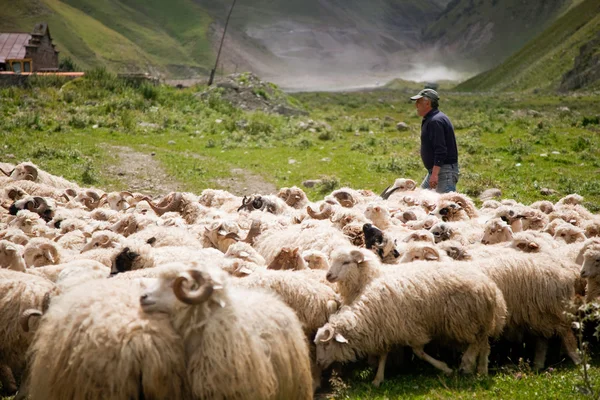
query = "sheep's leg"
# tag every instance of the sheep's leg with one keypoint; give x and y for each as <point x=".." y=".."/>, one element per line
<point x="380" y="370"/>
<point x="9" y="385"/>
<point x="469" y="358"/>
<point x="419" y="352"/>
<point x="570" y="343"/>
<point x="541" y="347"/>
<point x="482" y="358"/>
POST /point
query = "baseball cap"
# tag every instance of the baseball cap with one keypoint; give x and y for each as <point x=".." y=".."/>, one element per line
<point x="429" y="93"/>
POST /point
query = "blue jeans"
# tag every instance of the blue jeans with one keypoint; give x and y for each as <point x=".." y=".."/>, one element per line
<point x="447" y="179"/>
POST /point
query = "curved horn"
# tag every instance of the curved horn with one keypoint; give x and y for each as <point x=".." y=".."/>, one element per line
<point x="197" y="296"/>
<point x="326" y="211"/>
<point x="386" y="194"/>
<point x="40" y="204"/>
<point x="253" y="232"/>
<point x="331" y="333"/>
<point x="24" y="318"/>
<point x="173" y="205"/>
<point x="5" y="173"/>
<point x="71" y="192"/>
<point x="126" y="193"/>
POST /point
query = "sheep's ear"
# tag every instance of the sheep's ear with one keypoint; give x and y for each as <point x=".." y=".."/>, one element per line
<point x="431" y="254"/>
<point x="245" y="271"/>
<point x="340" y="339"/>
<point x="151" y="241"/>
<point x="533" y="246"/>
<point x="357" y="256"/>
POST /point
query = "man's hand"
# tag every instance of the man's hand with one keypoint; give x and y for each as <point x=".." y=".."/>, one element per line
<point x="433" y="179"/>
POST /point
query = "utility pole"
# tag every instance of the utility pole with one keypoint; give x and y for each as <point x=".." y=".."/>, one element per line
<point x="212" y="72"/>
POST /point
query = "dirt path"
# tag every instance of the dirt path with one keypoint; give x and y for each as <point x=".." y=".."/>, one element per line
<point x="141" y="172"/>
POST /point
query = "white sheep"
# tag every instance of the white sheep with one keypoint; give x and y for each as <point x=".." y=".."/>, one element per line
<point x="31" y="172"/>
<point x="20" y="291"/>
<point x="590" y="271"/>
<point x="352" y="269"/>
<point x="102" y="346"/>
<point x="228" y="329"/>
<point x="411" y="307"/>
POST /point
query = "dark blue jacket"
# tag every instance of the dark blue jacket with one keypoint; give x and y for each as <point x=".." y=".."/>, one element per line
<point x="438" y="143"/>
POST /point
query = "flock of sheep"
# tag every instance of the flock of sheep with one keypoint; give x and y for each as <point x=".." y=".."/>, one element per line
<point x="120" y="296"/>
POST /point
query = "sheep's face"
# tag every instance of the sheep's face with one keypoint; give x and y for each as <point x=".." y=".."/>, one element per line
<point x="124" y="261"/>
<point x="380" y="243"/>
<point x="116" y="202"/>
<point x="449" y="211"/>
<point x="191" y="287"/>
<point x="331" y="346"/>
<point x="441" y="232"/>
<point x="40" y="254"/>
<point x="293" y="197"/>
<point x="8" y="252"/>
<point x="496" y="231"/>
<point x="375" y="212"/>
<point x="159" y="296"/>
<point x="591" y="264"/>
<point x="344" y="264"/>
<point x="569" y="234"/>
<point x="101" y="240"/>
<point x="417" y="253"/>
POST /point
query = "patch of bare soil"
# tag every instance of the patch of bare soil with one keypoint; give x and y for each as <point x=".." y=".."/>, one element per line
<point x="141" y="172"/>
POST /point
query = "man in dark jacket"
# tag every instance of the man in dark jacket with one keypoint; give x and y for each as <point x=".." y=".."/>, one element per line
<point x="438" y="144"/>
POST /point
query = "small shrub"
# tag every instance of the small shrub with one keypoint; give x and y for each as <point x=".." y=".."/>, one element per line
<point x="590" y="121"/>
<point x="88" y="176"/>
<point x="150" y="92"/>
<point x="328" y="184"/>
<point x="326" y="135"/>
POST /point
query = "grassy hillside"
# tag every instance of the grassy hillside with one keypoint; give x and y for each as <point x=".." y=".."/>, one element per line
<point x="124" y="35"/>
<point x="543" y="61"/>
<point x="488" y="31"/>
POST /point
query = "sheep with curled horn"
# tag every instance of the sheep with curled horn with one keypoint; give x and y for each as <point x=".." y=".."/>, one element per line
<point x="39" y="205"/>
<point x="268" y="203"/>
<point x="226" y="329"/>
<point x="31" y="172"/>
<point x="293" y="197"/>
<point x="184" y="203"/>
<point x="223" y="234"/>
<point x="91" y="199"/>
<point x="325" y="211"/>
